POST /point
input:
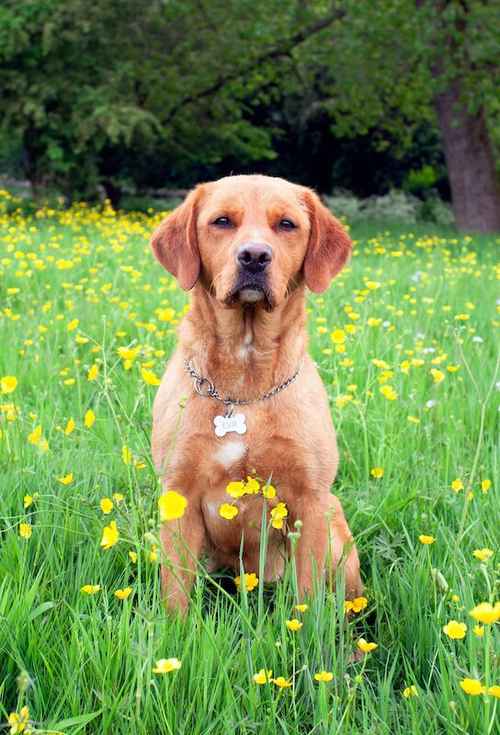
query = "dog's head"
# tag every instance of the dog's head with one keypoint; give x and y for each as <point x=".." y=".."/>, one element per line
<point x="252" y="240"/>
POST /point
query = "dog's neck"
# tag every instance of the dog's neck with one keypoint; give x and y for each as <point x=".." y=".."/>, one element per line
<point x="244" y="350"/>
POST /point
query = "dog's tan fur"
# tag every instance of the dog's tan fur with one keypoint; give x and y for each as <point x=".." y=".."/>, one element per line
<point x="246" y="350"/>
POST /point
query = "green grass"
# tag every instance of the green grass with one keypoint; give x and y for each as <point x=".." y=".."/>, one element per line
<point x="88" y="659"/>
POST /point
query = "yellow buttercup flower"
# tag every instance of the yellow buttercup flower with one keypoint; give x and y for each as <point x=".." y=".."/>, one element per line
<point x="28" y="500"/>
<point x="388" y="392"/>
<point x="426" y="540"/>
<point x="106" y="505"/>
<point x="72" y="325"/>
<point x="66" y="479"/>
<point x="494" y="691"/>
<point x="263" y="676"/>
<point x="165" y="315"/>
<point x="377" y="472"/>
<point x="228" y="511"/>
<point x="410" y="691"/>
<point x="269" y="492"/>
<point x="252" y="487"/>
<point x="172" y="505"/>
<point x="278" y="514"/>
<point x="133" y="556"/>
<point x="281" y="682"/>
<point x="8" y="384"/>
<point x="126" y="455"/>
<point x="25" y="530"/>
<point x="149" y="377"/>
<point x="342" y="400"/>
<point x="293" y="624"/>
<point x="167" y="665"/>
<point x="366" y="647"/>
<point x="455" y="630"/>
<point x="478" y="630"/>
<point x="20" y="722"/>
<point x="356" y="605"/>
<point x="93" y="373"/>
<point x="437" y="375"/>
<point x="338" y="336"/>
<point x="90" y="589"/>
<point x="128" y="354"/>
<point x="323" y="676"/>
<point x="472" y="687"/>
<point x="123" y="594"/>
<point x="302" y="607"/>
<point x="482" y="554"/>
<point x="251" y="581"/>
<point x="486" y="613"/>
<point x="457" y="485"/>
<point x="110" y="535"/>
<point x="70" y="427"/>
<point x="485" y="486"/>
<point x="35" y="436"/>
<point x="89" y="419"/>
<point x="236" y="489"/>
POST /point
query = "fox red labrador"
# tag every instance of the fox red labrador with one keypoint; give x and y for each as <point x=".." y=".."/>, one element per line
<point x="241" y="401"/>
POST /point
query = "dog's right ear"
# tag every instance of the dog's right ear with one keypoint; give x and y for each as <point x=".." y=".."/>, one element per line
<point x="175" y="242"/>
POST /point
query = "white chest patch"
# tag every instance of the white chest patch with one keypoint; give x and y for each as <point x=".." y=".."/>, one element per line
<point x="247" y="346"/>
<point x="244" y="352"/>
<point x="230" y="452"/>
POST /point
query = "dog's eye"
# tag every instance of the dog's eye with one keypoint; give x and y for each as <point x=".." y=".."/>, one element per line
<point x="287" y="224"/>
<point x="222" y="222"/>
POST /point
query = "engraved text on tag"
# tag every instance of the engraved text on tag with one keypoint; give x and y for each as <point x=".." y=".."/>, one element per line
<point x="225" y="424"/>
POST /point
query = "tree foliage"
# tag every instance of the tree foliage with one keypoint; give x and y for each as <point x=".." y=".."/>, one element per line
<point x="172" y="90"/>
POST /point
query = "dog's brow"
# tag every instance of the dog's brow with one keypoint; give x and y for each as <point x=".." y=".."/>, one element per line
<point x="224" y="208"/>
<point x="282" y="207"/>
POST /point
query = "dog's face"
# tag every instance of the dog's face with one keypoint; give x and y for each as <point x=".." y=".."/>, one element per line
<point x="252" y="240"/>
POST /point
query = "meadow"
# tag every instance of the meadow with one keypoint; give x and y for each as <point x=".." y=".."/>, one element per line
<point x="405" y="340"/>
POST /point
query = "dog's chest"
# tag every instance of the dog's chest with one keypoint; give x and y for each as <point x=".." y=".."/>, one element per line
<point x="205" y="459"/>
<point x="286" y="440"/>
<point x="230" y="452"/>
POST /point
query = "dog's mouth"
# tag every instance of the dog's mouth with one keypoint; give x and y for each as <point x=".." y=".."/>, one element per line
<point x="250" y="291"/>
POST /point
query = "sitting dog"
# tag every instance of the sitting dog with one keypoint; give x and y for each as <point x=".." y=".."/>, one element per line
<point x="247" y="247"/>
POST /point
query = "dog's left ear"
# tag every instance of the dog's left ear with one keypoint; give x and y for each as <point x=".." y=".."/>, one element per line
<point x="329" y="245"/>
<point x="175" y="242"/>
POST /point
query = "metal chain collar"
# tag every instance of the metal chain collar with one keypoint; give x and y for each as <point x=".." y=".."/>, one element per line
<point x="205" y="388"/>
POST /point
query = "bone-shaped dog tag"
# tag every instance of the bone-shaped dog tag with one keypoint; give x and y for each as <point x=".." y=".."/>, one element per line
<point x="225" y="424"/>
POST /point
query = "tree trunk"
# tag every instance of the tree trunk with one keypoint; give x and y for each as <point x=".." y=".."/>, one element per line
<point x="113" y="192"/>
<point x="32" y="155"/>
<point x="474" y="183"/>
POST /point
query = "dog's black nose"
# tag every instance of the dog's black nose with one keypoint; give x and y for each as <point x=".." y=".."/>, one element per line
<point x="254" y="257"/>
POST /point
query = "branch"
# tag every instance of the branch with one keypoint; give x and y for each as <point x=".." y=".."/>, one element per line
<point x="283" y="49"/>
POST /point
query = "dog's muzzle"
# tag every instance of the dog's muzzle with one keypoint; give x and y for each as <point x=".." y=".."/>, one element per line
<point x="253" y="262"/>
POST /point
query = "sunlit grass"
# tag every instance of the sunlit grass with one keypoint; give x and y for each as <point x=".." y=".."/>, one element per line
<point x="87" y="322"/>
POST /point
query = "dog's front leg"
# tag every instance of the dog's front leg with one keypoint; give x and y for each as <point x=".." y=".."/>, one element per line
<point x="325" y="536"/>
<point x="182" y="543"/>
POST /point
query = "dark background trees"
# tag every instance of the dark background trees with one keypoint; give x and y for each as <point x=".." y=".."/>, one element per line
<point x="134" y="95"/>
